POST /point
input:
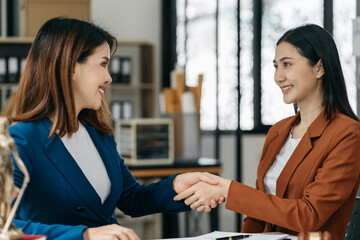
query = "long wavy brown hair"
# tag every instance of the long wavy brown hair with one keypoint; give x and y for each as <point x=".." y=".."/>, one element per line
<point x="46" y="86"/>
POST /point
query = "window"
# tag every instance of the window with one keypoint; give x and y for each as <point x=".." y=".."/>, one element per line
<point x="277" y="19"/>
<point x="344" y="13"/>
<point x="246" y="66"/>
<point x="207" y="33"/>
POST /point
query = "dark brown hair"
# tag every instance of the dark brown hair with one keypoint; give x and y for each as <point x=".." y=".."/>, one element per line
<point x="46" y="87"/>
<point x="315" y="43"/>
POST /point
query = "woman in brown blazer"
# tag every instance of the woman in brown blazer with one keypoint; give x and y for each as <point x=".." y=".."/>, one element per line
<point x="308" y="174"/>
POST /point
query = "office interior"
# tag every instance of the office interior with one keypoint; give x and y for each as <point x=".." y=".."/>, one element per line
<point x="230" y="42"/>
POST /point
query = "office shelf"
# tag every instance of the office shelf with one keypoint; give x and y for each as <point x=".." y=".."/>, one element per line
<point x="141" y="91"/>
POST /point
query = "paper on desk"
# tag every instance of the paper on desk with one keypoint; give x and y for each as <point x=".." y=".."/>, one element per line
<point x="218" y="234"/>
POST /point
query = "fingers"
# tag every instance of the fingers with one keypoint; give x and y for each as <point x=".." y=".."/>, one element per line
<point x="109" y="232"/>
<point x="198" y="203"/>
<point x="127" y="234"/>
<point x="208" y="178"/>
<point x="201" y="208"/>
<point x="191" y="200"/>
<point x="207" y="208"/>
<point x="221" y="199"/>
<point x="213" y="203"/>
<point x="185" y="194"/>
<point x="122" y="233"/>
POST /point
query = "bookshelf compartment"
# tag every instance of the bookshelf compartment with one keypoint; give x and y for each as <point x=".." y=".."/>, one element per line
<point x="140" y="90"/>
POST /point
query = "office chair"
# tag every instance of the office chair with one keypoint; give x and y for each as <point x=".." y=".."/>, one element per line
<point x="353" y="228"/>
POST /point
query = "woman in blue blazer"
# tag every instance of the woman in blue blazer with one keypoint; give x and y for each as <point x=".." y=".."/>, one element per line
<point x="63" y="135"/>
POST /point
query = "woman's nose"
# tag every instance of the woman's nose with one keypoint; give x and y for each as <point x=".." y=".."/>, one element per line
<point x="279" y="76"/>
<point x="108" y="78"/>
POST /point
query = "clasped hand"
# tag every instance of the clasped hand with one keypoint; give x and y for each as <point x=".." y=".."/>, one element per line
<point x="201" y="191"/>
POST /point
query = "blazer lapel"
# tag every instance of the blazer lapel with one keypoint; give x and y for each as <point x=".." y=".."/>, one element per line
<point x="66" y="164"/>
<point x="276" y="143"/>
<point x="301" y="151"/>
<point x="109" y="156"/>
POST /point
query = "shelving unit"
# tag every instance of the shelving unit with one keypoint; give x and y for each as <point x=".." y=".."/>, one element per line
<point x="10" y="47"/>
<point x="141" y="90"/>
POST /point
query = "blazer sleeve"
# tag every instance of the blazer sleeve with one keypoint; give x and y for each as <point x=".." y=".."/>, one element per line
<point x="139" y="200"/>
<point x="23" y="146"/>
<point x="253" y="225"/>
<point x="334" y="182"/>
<point x="54" y="231"/>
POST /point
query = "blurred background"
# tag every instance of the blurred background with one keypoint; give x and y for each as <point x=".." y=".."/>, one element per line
<point x="231" y="43"/>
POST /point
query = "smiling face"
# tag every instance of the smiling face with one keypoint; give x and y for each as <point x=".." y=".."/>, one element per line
<point x="298" y="80"/>
<point x="90" y="78"/>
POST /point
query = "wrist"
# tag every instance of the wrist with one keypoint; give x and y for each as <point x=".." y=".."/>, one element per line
<point x="226" y="186"/>
<point x="85" y="234"/>
<point x="174" y="183"/>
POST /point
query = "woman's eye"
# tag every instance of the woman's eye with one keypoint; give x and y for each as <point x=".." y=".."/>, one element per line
<point x="276" y="66"/>
<point x="286" y="64"/>
<point x="104" y="64"/>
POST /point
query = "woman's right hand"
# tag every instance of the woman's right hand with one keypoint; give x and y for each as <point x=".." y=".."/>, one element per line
<point x="110" y="232"/>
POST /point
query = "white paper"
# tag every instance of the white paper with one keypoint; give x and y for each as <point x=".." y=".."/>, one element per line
<point x="218" y="234"/>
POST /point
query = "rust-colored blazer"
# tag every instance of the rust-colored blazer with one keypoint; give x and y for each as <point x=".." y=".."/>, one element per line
<point x="315" y="191"/>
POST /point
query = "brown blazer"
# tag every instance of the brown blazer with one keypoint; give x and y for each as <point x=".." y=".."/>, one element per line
<point x="315" y="191"/>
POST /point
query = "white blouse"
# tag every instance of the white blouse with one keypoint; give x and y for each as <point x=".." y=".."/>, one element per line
<point x="278" y="165"/>
<point x="83" y="150"/>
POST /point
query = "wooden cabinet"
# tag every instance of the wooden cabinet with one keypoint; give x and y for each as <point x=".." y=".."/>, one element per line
<point x="140" y="91"/>
<point x="34" y="13"/>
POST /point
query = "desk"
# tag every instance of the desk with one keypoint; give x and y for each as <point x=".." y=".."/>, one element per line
<point x="180" y="166"/>
<point x="170" y="221"/>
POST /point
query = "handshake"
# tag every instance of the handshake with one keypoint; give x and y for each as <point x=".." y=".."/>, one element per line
<point x="201" y="191"/>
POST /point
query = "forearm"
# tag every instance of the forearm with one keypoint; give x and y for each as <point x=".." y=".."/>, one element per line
<point x="154" y="198"/>
<point x="252" y="225"/>
<point x="53" y="231"/>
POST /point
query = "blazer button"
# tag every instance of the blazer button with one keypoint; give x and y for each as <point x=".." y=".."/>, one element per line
<point x="80" y="209"/>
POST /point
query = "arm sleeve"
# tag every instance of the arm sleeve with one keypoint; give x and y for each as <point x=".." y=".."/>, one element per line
<point x="24" y="150"/>
<point x="54" y="231"/>
<point x="253" y="225"/>
<point x="334" y="182"/>
<point x="139" y="200"/>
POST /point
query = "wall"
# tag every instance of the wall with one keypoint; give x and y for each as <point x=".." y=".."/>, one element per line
<point x="135" y="20"/>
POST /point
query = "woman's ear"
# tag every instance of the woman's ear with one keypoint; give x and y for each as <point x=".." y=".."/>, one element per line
<point x="319" y="68"/>
<point x="75" y="70"/>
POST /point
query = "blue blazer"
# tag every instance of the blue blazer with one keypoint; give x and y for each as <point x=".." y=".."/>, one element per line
<point x="59" y="200"/>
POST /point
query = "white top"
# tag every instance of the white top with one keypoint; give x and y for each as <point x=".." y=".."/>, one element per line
<point x="278" y="165"/>
<point x="83" y="150"/>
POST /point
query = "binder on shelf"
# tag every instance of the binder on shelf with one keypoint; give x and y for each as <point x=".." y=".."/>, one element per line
<point x="2" y="19"/>
<point x="2" y="69"/>
<point x="121" y="110"/>
<point x="115" y="69"/>
<point x="13" y="70"/>
<point x="4" y="95"/>
<point x="125" y="66"/>
<point x="22" y="65"/>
